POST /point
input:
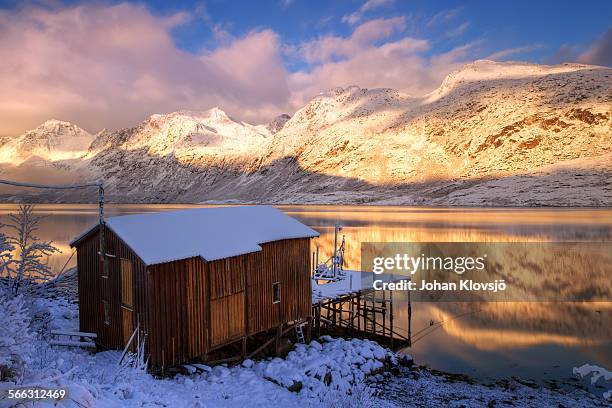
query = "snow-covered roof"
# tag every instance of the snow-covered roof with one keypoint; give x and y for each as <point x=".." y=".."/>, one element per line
<point x="211" y="233"/>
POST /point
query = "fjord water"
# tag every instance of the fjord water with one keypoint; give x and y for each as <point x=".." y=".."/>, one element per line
<point x="487" y="340"/>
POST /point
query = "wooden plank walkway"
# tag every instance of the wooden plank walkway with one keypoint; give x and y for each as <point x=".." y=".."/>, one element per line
<point x="351" y="307"/>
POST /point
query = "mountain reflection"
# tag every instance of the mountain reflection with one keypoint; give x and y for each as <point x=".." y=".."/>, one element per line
<point x="477" y="338"/>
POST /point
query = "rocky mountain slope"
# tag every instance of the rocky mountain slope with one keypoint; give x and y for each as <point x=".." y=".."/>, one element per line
<point x="52" y="141"/>
<point x="491" y="134"/>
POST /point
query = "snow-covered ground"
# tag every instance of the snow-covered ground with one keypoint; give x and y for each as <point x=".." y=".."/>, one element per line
<point x="433" y="389"/>
<point x="328" y="372"/>
<point x="322" y="372"/>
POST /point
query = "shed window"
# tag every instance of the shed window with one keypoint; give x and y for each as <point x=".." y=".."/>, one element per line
<point x="127" y="283"/>
<point x="276" y="292"/>
<point x="106" y="312"/>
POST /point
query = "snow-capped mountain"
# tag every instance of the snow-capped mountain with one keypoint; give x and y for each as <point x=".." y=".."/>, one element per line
<point x="491" y="134"/>
<point x="177" y="154"/>
<point x="186" y="133"/>
<point x="52" y="141"/>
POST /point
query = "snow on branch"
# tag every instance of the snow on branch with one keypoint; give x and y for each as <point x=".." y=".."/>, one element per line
<point x="15" y="337"/>
<point x="29" y="265"/>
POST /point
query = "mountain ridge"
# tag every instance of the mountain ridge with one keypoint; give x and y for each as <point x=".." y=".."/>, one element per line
<point x="486" y="121"/>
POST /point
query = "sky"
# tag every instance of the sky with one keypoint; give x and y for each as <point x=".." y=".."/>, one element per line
<point x="111" y="64"/>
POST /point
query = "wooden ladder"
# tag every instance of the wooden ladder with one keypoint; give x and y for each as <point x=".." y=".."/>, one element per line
<point x="299" y="332"/>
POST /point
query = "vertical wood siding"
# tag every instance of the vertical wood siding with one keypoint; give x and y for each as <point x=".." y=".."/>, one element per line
<point x="179" y="329"/>
<point x="189" y="307"/>
<point x="93" y="288"/>
<point x="227" y="299"/>
<point x="286" y="262"/>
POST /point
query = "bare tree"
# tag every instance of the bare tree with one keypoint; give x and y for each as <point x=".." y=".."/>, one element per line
<point x="28" y="267"/>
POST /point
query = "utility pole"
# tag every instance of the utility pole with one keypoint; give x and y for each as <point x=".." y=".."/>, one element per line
<point x="101" y="229"/>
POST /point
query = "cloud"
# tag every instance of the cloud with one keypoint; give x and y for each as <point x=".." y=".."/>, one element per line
<point x="500" y="55"/>
<point x="458" y="31"/>
<point x="328" y="48"/>
<point x="359" y="60"/>
<point x="111" y="66"/>
<point x="369" y="5"/>
<point x="600" y="52"/>
<point x="565" y="53"/>
<point x="443" y="16"/>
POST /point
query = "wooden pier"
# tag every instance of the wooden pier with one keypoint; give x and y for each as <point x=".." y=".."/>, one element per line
<point x="359" y="312"/>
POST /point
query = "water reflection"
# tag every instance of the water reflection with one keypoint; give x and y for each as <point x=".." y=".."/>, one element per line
<point x="531" y="339"/>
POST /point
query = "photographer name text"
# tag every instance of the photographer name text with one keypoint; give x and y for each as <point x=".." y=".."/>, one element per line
<point x="497" y="285"/>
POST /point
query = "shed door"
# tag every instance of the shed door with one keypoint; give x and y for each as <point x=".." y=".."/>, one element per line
<point x="227" y="300"/>
<point x="127" y="299"/>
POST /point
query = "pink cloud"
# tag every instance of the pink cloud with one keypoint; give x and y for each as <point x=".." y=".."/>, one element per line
<point x="113" y="65"/>
<point x="398" y="64"/>
<point x="110" y="66"/>
<point x="503" y="54"/>
<point x="597" y="52"/>
<point x="600" y="52"/>
<point x="329" y="47"/>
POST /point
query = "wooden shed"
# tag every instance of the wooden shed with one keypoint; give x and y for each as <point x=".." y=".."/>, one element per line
<point x="194" y="281"/>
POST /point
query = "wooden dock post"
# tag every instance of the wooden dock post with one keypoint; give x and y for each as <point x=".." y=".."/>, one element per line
<point x="384" y="313"/>
<point x="391" y="316"/>
<point x="351" y="316"/>
<point x="309" y="330"/>
<point x="333" y="305"/>
<point x="409" y="321"/>
<point x="359" y="312"/>
<point x="365" y="314"/>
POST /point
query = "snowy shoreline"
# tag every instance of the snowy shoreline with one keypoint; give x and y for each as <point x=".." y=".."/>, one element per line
<point x="328" y="372"/>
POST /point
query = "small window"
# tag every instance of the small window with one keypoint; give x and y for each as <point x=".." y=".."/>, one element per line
<point x="276" y="292"/>
<point x="106" y="312"/>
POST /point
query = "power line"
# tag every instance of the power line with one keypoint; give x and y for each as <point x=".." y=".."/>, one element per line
<point x="49" y="186"/>
<point x="100" y="188"/>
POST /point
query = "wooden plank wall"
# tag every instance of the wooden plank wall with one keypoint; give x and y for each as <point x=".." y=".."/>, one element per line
<point x="90" y="294"/>
<point x="190" y="307"/>
<point x="238" y="291"/>
<point x="295" y="278"/>
<point x="178" y="312"/>
<point x="286" y="262"/>
<point x="227" y="299"/>
<point x="93" y="288"/>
